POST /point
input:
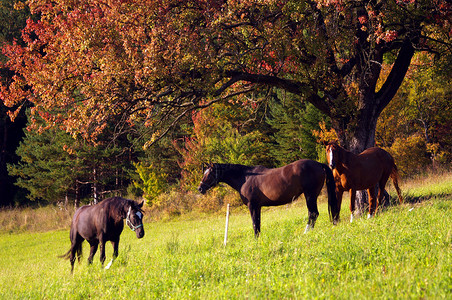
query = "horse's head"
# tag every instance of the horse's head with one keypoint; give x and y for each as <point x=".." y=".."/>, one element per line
<point x="134" y="218"/>
<point x="210" y="178"/>
<point x="332" y="153"/>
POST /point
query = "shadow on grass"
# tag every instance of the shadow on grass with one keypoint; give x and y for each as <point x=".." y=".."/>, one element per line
<point x="421" y="198"/>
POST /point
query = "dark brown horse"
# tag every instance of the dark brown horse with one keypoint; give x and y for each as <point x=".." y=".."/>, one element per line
<point x="101" y="223"/>
<point x="259" y="186"/>
<point x="364" y="171"/>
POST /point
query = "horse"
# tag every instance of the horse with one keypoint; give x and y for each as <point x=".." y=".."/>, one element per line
<point x="103" y="222"/>
<point x="260" y="186"/>
<point x="364" y="171"/>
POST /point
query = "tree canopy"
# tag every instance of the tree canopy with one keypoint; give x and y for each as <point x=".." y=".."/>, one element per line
<point x="99" y="69"/>
<point x="152" y="62"/>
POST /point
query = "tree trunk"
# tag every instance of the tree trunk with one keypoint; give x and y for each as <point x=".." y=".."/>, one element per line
<point x="357" y="133"/>
<point x="66" y="201"/>
<point x="77" y="194"/>
<point x="95" y="187"/>
<point x="362" y="138"/>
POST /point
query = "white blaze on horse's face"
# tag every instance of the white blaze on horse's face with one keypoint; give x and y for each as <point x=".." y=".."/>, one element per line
<point x="330" y="157"/>
<point x="205" y="175"/>
<point x="209" y="180"/>
<point x="139" y="215"/>
<point x="208" y="177"/>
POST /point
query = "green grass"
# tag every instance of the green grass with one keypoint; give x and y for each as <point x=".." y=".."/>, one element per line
<point x="437" y="185"/>
<point x="404" y="252"/>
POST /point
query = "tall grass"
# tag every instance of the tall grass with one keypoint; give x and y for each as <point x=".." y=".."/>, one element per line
<point x="40" y="219"/>
<point x="424" y="187"/>
<point x="405" y="252"/>
<point x="192" y="205"/>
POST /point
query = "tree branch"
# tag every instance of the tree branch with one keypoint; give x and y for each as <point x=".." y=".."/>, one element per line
<point x="195" y="107"/>
<point x="396" y="76"/>
<point x="292" y="86"/>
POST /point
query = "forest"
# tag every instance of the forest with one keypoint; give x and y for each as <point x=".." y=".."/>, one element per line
<point x="103" y="98"/>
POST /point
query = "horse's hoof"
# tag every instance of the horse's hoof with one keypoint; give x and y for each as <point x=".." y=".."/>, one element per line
<point x="351" y="218"/>
<point x="369" y="216"/>
<point x="307" y="229"/>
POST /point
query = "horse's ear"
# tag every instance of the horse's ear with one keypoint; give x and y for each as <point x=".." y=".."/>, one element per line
<point x="325" y="143"/>
<point x="140" y="205"/>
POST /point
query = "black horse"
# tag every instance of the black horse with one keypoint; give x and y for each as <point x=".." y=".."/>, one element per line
<point x="260" y="186"/>
<point x="101" y="223"/>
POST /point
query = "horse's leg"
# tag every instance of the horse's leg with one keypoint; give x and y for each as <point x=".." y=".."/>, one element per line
<point x="102" y="252"/>
<point x="339" y="194"/>
<point x="92" y="251"/>
<point x="255" y="211"/>
<point x="115" y="245"/>
<point x="372" y="201"/>
<point x="352" y="204"/>
<point x="73" y="255"/>
<point x="313" y="212"/>
<point x="381" y="190"/>
<point x="76" y="249"/>
<point x="74" y="246"/>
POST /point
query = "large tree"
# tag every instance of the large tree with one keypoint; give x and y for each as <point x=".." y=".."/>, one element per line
<point x="154" y="61"/>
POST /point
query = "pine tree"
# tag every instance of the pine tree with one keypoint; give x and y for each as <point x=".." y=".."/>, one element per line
<point x="56" y="166"/>
<point x="46" y="169"/>
<point x="293" y="122"/>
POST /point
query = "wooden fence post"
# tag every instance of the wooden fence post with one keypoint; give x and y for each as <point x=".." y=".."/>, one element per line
<point x="226" y="226"/>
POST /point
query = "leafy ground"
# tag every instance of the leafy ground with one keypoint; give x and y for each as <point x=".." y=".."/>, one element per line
<point x="404" y="252"/>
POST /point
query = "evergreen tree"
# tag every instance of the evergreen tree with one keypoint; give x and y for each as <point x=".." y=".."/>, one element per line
<point x="55" y="166"/>
<point x="46" y="169"/>
<point x="293" y="122"/>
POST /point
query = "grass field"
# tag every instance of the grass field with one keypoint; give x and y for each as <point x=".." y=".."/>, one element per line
<point x="405" y="252"/>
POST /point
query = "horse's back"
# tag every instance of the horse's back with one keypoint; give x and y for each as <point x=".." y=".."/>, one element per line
<point x="282" y="185"/>
<point x="85" y="222"/>
<point x="311" y="174"/>
<point x="370" y="167"/>
<point x="308" y="165"/>
<point x="80" y="214"/>
<point x="378" y="156"/>
<point x="294" y="170"/>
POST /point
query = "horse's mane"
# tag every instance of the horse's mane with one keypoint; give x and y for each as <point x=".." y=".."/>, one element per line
<point x="236" y="167"/>
<point x="233" y="169"/>
<point x="120" y="205"/>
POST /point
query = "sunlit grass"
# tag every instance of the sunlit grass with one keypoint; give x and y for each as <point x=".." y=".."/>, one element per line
<point x="433" y="185"/>
<point x="404" y="252"/>
<point x="40" y="219"/>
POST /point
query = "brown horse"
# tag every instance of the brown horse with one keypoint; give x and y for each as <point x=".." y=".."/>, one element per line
<point x="259" y="186"/>
<point x="364" y="171"/>
<point x="101" y="223"/>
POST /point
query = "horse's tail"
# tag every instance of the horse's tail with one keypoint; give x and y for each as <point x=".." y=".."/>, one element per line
<point x="66" y="255"/>
<point x="77" y="246"/>
<point x="395" y="180"/>
<point x="78" y="252"/>
<point x="333" y="203"/>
